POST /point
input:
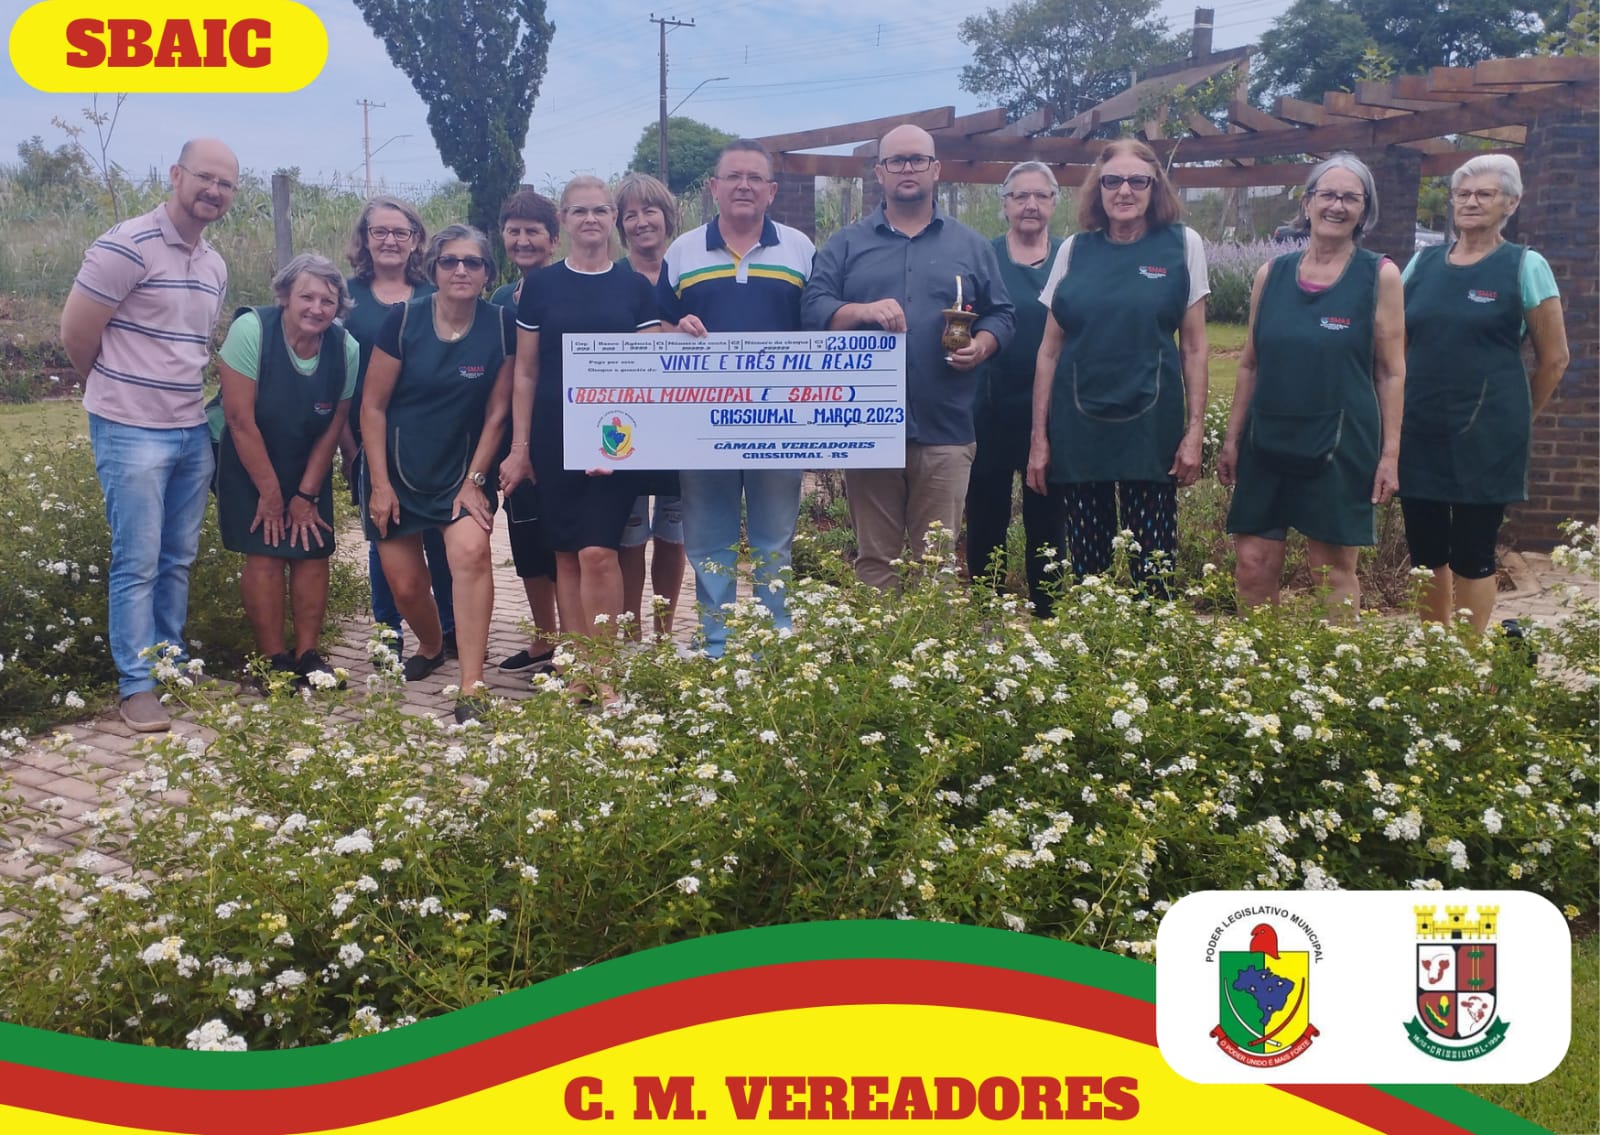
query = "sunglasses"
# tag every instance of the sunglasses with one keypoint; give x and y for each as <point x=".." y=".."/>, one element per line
<point x="1139" y="181"/>
<point x="471" y="263"/>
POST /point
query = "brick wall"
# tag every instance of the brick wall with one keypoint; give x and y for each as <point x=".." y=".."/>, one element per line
<point x="1398" y="174"/>
<point x="1559" y="217"/>
<point x="796" y="202"/>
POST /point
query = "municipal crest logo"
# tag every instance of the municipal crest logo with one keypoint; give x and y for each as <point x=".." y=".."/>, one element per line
<point x="1153" y="271"/>
<point x="616" y="435"/>
<point x="1457" y="962"/>
<point x="1264" y="994"/>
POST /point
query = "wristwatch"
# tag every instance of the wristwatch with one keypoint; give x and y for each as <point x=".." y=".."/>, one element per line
<point x="478" y="479"/>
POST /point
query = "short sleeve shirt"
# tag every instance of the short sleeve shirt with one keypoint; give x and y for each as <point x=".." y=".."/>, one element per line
<point x="167" y="295"/>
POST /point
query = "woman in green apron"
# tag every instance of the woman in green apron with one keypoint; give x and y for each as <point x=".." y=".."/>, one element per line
<point x="385" y="250"/>
<point x="1002" y="412"/>
<point x="433" y="418"/>
<point x="287" y="378"/>
<point x="1314" y="436"/>
<point x="1469" y="401"/>
<point x="1119" y="394"/>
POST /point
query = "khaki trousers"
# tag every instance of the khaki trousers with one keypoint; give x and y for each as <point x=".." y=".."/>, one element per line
<point x="891" y="510"/>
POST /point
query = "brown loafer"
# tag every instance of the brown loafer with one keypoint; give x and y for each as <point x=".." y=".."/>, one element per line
<point x="144" y="713"/>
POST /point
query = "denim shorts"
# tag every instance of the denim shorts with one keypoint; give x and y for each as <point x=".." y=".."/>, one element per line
<point x="666" y="524"/>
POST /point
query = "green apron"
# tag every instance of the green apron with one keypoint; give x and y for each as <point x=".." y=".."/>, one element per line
<point x="1309" y="448"/>
<point x="1003" y="411"/>
<point x="1117" y="404"/>
<point x="292" y="413"/>
<point x="1468" y="407"/>
<point x="435" y="416"/>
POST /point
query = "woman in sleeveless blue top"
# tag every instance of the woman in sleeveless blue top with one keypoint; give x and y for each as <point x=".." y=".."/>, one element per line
<point x="1313" y="439"/>
<point x="1469" y="401"/>
<point x="433" y="417"/>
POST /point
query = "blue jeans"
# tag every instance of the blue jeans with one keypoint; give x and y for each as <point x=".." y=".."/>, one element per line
<point x="383" y="609"/>
<point x="155" y="484"/>
<point x="711" y="533"/>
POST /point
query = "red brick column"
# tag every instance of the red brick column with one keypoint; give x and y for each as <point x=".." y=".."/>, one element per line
<point x="1559" y="217"/>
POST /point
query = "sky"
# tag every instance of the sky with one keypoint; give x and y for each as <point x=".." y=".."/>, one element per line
<point x="768" y="66"/>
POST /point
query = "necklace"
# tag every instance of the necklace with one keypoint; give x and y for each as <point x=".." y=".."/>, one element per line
<point x="447" y="330"/>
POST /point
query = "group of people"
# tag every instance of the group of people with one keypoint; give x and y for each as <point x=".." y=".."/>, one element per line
<point x="1085" y="372"/>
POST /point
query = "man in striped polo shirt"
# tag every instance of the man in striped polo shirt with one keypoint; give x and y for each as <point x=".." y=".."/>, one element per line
<point x="137" y="326"/>
<point x="741" y="272"/>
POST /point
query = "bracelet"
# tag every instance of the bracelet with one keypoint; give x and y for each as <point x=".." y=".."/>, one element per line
<point x="519" y="445"/>
<point x="305" y="496"/>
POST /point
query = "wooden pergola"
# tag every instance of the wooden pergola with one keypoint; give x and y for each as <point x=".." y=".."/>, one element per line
<point x="1545" y="112"/>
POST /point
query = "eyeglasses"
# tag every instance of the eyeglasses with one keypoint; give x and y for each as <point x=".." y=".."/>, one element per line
<point x="1481" y="196"/>
<point x="1329" y="197"/>
<point x="220" y="184"/>
<point x="907" y="163"/>
<point x="380" y="235"/>
<point x="470" y="263"/>
<point x="1138" y="182"/>
<point x="753" y="180"/>
<point x="1026" y="195"/>
<point x="582" y="211"/>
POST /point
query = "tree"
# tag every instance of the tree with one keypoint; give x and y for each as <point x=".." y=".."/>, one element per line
<point x="1320" y="45"/>
<point x="692" y="149"/>
<point x="477" y="64"/>
<point x="60" y="173"/>
<point x="1064" y="54"/>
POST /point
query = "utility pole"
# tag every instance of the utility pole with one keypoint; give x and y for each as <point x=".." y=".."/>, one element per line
<point x="366" y="135"/>
<point x="661" y="153"/>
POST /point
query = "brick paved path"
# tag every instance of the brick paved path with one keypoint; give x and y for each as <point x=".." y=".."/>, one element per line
<point x="60" y="778"/>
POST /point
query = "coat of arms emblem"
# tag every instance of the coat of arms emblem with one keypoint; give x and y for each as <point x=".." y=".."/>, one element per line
<point x="1457" y="963"/>
<point x="1264" y="993"/>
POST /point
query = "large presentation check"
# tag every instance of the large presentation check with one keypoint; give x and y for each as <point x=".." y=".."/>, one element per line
<point x="748" y="400"/>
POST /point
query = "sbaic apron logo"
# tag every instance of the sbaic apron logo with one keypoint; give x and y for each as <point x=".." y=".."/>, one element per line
<point x="262" y="47"/>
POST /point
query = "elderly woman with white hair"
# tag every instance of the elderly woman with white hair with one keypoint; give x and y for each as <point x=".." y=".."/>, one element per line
<point x="1470" y="402"/>
<point x="288" y="372"/>
<point x="1003" y="410"/>
<point x="1313" y="440"/>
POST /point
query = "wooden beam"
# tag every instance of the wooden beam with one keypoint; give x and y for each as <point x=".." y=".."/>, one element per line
<point x="983" y="122"/>
<point x="1027" y="125"/>
<point x="1548" y="69"/>
<point x="869" y="130"/>
<point x="1342" y="104"/>
<point x="1388" y="95"/>
<point x="1243" y="114"/>
<point x="1442" y="165"/>
<point x="1354" y="134"/>
<point x="1514" y="134"/>
<point x="1070" y="175"/>
<point x="1463" y="79"/>
<point x="1298" y="110"/>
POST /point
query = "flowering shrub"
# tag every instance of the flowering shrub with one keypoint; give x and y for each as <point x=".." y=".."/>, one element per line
<point x="57" y="550"/>
<point x="1232" y="269"/>
<point x="328" y="867"/>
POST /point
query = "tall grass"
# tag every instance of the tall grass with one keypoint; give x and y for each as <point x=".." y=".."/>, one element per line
<point x="47" y="233"/>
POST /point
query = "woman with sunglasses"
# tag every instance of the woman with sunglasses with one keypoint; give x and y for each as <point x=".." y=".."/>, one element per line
<point x="433" y="417"/>
<point x="1119" y="390"/>
<point x="583" y="511"/>
<point x="1470" y="402"/>
<point x="385" y="249"/>
<point x="1313" y="439"/>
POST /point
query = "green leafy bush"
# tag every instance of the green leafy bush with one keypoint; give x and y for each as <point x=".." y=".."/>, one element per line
<point x="333" y="866"/>
<point x="54" y="659"/>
